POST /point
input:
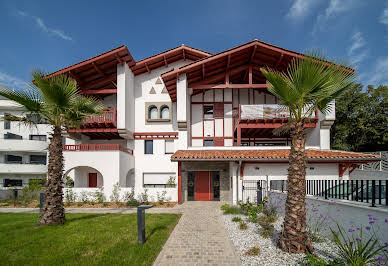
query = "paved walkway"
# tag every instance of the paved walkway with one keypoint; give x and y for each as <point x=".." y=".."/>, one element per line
<point x="199" y="238"/>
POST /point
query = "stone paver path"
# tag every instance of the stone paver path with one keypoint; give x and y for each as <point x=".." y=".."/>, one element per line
<point x="199" y="238"/>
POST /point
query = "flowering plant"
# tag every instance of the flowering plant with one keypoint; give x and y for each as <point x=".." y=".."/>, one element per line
<point x="356" y="251"/>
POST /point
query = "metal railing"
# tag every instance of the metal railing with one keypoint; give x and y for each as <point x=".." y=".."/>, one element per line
<point x="376" y="166"/>
<point x="367" y="191"/>
<point x="97" y="147"/>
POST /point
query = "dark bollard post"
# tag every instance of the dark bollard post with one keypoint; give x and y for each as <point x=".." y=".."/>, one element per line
<point x="259" y="194"/>
<point x="373" y="193"/>
<point x="41" y="200"/>
<point x="15" y="194"/>
<point x="141" y="223"/>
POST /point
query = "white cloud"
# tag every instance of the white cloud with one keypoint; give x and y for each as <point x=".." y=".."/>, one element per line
<point x="384" y="17"/>
<point x="357" y="51"/>
<point x="358" y="42"/>
<point x="379" y="75"/>
<point x="301" y="8"/>
<point x="11" y="82"/>
<point x="335" y="8"/>
<point x="40" y="23"/>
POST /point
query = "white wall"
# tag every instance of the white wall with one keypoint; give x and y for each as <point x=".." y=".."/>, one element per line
<point x="347" y="214"/>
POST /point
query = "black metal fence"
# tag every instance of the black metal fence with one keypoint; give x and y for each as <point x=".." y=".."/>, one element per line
<point x="368" y="191"/>
<point x="250" y="189"/>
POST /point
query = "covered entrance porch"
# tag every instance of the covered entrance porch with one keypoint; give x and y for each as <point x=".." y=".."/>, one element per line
<point x="203" y="181"/>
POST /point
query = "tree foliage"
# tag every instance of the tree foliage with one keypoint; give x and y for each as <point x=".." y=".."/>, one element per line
<point x="361" y="120"/>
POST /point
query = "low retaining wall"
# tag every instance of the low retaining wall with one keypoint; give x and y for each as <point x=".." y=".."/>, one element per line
<point x="349" y="215"/>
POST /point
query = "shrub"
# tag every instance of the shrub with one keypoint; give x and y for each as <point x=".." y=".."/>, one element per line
<point x="233" y="210"/>
<point x="266" y="227"/>
<point x="161" y="197"/>
<point x="253" y="251"/>
<point x="245" y="206"/>
<point x="69" y="183"/>
<point x="171" y="182"/>
<point x="115" y="196"/>
<point x="236" y="219"/>
<point x="84" y="197"/>
<point x="253" y="211"/>
<point x="224" y="207"/>
<point x="129" y="198"/>
<point x="98" y="195"/>
<point x="356" y="251"/>
<point x="243" y="225"/>
<point x="143" y="197"/>
<point x="70" y="195"/>
<point x="31" y="192"/>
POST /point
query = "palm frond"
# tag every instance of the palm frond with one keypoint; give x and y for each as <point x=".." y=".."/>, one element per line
<point x="309" y="83"/>
<point x="29" y="99"/>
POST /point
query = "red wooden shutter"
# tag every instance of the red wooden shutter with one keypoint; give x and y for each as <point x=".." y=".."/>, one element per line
<point x="219" y="110"/>
<point x="218" y="142"/>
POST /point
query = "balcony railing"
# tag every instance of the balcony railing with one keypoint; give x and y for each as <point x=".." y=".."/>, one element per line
<point x="263" y="113"/>
<point x="97" y="147"/>
<point x="108" y="117"/>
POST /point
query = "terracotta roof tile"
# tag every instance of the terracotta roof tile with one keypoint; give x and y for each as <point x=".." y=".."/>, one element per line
<point x="272" y="155"/>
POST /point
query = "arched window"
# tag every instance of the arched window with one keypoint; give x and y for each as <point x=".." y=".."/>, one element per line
<point x="165" y="112"/>
<point x="153" y="112"/>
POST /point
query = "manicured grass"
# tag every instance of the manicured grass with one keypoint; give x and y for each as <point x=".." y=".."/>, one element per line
<point x="85" y="239"/>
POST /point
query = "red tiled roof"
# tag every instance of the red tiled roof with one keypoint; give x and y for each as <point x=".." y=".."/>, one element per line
<point x="271" y="155"/>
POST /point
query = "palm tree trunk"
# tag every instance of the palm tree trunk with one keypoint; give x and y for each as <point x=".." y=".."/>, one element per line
<point x="294" y="237"/>
<point x="53" y="210"/>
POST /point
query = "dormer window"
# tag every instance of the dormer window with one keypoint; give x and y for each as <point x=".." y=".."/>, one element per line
<point x="153" y="112"/>
<point x="165" y="112"/>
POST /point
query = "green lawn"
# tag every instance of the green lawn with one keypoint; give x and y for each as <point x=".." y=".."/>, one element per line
<point x="97" y="239"/>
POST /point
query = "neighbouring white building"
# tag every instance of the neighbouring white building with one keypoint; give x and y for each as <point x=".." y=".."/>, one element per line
<point x="23" y="149"/>
<point x="203" y="121"/>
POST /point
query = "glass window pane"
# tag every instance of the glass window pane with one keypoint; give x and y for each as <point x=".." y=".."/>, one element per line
<point x="165" y="113"/>
<point x="208" y="111"/>
<point x="148" y="147"/>
<point x="153" y="113"/>
<point x="169" y="146"/>
<point x="209" y="142"/>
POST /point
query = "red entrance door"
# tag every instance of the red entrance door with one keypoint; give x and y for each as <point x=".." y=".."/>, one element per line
<point x="92" y="179"/>
<point x="203" y="186"/>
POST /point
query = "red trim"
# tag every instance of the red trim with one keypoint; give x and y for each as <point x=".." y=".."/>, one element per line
<point x="155" y="135"/>
<point x="86" y="130"/>
<point x="179" y="183"/>
<point x="96" y="147"/>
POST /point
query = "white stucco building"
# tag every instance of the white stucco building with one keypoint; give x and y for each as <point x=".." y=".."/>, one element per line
<point x="201" y="120"/>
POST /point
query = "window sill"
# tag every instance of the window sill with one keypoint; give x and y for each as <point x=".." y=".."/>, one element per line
<point x="158" y="120"/>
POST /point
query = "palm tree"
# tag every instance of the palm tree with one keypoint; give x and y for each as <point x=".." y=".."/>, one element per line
<point x="57" y="101"/>
<point x="309" y="83"/>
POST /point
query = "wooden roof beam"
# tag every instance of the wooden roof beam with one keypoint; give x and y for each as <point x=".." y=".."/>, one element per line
<point x="203" y="71"/>
<point x="100" y="82"/>
<point x="165" y="60"/>
<point x="184" y="55"/>
<point x="279" y="60"/>
<point x="253" y="54"/>
<point x="118" y="58"/>
<point x="148" y="69"/>
<point x="231" y="86"/>
<point x="105" y="91"/>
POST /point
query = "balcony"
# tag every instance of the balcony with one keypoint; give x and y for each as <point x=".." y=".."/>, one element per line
<point x="259" y="120"/>
<point x="97" y="147"/>
<point x="102" y="126"/>
<point x="23" y="168"/>
<point x="23" y="145"/>
<point x="107" y="119"/>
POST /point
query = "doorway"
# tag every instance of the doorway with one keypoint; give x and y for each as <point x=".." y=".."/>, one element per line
<point x="203" y="186"/>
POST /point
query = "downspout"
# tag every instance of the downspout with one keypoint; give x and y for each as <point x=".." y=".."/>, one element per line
<point x="237" y="178"/>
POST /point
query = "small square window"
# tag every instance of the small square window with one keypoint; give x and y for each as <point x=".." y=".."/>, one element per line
<point x="209" y="142"/>
<point x="169" y="146"/>
<point x="208" y="111"/>
<point x="148" y="147"/>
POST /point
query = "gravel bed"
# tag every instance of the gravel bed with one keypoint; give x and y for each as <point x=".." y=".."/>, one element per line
<point x="243" y="240"/>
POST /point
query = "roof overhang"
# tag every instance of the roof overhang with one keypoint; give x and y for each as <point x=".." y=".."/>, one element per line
<point x="236" y="62"/>
<point x="277" y="155"/>
<point x="167" y="57"/>
<point x="98" y="75"/>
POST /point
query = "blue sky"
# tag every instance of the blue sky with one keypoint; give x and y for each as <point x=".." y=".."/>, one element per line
<point x="54" y="34"/>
